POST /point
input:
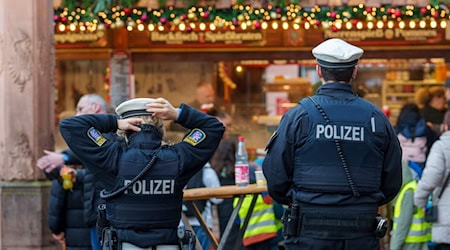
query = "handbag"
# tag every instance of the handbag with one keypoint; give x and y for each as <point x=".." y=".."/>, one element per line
<point x="431" y="213"/>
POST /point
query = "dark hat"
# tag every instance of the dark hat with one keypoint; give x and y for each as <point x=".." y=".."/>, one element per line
<point x="447" y="83"/>
<point x="336" y="53"/>
<point x="134" y="107"/>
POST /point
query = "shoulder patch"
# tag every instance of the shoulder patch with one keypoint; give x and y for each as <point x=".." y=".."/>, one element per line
<point x="195" y="137"/>
<point x="96" y="136"/>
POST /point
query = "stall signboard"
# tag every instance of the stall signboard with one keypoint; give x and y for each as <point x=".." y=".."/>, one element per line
<point x="390" y="36"/>
<point x="289" y="37"/>
<point x="208" y="37"/>
<point x="95" y="39"/>
<point x="226" y="38"/>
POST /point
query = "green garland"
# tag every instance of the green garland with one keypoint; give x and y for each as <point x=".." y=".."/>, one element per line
<point x="115" y="13"/>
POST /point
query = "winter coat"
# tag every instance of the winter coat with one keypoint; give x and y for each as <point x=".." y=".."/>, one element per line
<point x="436" y="169"/>
<point x="65" y="214"/>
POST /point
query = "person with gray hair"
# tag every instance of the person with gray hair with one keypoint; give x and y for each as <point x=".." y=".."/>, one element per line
<point x="143" y="177"/>
<point x="51" y="163"/>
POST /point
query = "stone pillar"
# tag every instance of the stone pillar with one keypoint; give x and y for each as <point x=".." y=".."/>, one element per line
<point x="27" y="121"/>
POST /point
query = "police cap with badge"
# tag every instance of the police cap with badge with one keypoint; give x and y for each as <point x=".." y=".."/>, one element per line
<point x="134" y="107"/>
<point x="336" y="53"/>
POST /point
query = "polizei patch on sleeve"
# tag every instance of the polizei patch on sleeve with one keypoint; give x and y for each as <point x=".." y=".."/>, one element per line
<point x="96" y="136"/>
<point x="195" y="137"/>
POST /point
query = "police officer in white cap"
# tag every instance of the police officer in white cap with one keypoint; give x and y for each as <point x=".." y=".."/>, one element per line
<point x="144" y="178"/>
<point x="334" y="160"/>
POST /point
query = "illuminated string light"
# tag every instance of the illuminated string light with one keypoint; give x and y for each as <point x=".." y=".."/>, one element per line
<point x="241" y="17"/>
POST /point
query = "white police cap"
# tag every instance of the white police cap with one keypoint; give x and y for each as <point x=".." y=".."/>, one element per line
<point x="336" y="53"/>
<point x="133" y="107"/>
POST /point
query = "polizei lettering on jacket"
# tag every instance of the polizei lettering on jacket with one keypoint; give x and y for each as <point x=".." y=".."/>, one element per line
<point x="339" y="132"/>
<point x="151" y="187"/>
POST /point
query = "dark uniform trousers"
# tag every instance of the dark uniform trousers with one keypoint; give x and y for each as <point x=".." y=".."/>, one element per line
<point x="307" y="243"/>
<point x="129" y="246"/>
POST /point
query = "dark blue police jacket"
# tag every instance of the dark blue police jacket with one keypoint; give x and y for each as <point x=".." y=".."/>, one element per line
<point x="147" y="213"/>
<point x="302" y="164"/>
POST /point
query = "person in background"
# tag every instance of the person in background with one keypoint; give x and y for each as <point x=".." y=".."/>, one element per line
<point x="205" y="97"/>
<point x="263" y="231"/>
<point x="409" y="231"/>
<point x="65" y="209"/>
<point x="415" y="137"/>
<point x="52" y="161"/>
<point x="436" y="170"/>
<point x="432" y="103"/>
<point x="144" y="178"/>
<point x="205" y="101"/>
<point x="222" y="162"/>
<point x="334" y="159"/>
<point x="206" y="177"/>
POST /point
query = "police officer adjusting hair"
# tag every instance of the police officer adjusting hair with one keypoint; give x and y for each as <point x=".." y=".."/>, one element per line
<point x="143" y="177"/>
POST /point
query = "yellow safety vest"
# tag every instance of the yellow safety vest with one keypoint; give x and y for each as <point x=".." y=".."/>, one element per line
<point x="420" y="231"/>
<point x="263" y="224"/>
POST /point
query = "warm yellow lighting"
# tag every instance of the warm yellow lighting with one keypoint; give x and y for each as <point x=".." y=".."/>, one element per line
<point x="239" y="69"/>
<point x="160" y="27"/>
<point x="359" y="25"/>
<point x="244" y="26"/>
<point x="401" y="24"/>
<point x="390" y="24"/>
<point x="285" y="25"/>
<point x="433" y="24"/>
<point x="370" y="25"/>
<point x="212" y="26"/>
<point x="296" y="26"/>
<point x="182" y="26"/>
<point x="82" y="28"/>
<point x="422" y="24"/>
<point x="443" y="24"/>
<point x="140" y="27"/>
<point x="202" y="26"/>
<point x="412" y="24"/>
<point x="151" y="27"/>
<point x="307" y="26"/>
<point x="61" y="27"/>
<point x="380" y="24"/>
<point x="176" y="21"/>
<point x="120" y="23"/>
<point x="72" y="27"/>
<point x="129" y="27"/>
<point x="348" y="25"/>
<point x="274" y="25"/>
<point x="264" y="25"/>
<point x="338" y="25"/>
<point x="192" y="25"/>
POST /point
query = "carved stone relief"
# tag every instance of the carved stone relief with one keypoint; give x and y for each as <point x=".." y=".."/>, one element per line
<point x="20" y="155"/>
<point x="20" y="62"/>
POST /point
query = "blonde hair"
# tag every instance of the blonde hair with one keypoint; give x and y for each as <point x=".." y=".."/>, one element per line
<point x="424" y="95"/>
<point x="148" y="119"/>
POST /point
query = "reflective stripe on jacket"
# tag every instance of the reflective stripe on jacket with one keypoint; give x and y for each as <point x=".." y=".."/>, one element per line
<point x="419" y="230"/>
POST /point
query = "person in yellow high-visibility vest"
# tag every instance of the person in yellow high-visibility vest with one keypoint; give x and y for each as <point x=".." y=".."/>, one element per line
<point x="410" y="231"/>
<point x="264" y="227"/>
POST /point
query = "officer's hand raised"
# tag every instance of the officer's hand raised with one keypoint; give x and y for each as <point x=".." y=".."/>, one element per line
<point x="162" y="109"/>
<point x="129" y="124"/>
